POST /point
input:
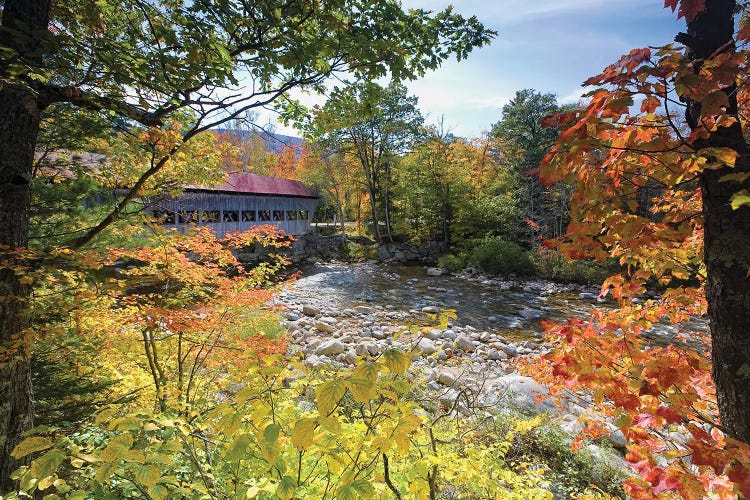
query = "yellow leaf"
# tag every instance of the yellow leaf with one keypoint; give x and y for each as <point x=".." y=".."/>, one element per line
<point x="303" y="433"/>
<point x="30" y="445"/>
<point x="397" y="361"/>
<point x="328" y="394"/>
<point x="119" y="445"/>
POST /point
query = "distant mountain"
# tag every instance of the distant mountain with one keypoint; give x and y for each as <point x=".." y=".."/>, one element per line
<point x="273" y="143"/>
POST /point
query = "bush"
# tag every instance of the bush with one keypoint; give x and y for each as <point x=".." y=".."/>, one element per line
<point x="452" y="262"/>
<point x="552" y="265"/>
<point x="499" y="256"/>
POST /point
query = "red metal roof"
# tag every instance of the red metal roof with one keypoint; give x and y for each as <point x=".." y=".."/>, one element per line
<point x="260" y="184"/>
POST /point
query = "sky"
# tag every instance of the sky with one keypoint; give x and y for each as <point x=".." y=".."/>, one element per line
<point x="548" y="45"/>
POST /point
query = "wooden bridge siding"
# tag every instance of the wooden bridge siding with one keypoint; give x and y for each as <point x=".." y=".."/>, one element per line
<point x="222" y="202"/>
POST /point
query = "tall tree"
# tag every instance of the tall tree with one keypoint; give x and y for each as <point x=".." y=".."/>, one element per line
<point x="525" y="142"/>
<point x="376" y="124"/>
<point x="695" y="242"/>
<point x="144" y="61"/>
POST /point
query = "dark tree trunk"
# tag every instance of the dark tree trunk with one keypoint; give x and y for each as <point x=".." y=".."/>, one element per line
<point x="727" y="236"/>
<point x="19" y="126"/>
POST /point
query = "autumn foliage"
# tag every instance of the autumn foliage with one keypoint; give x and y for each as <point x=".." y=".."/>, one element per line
<point x="635" y="160"/>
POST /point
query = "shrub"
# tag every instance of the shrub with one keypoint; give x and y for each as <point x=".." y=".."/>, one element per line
<point x="552" y="265"/>
<point x="499" y="256"/>
<point x="452" y="262"/>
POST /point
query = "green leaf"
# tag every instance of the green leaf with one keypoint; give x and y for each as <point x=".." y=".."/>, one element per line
<point x="397" y="361"/>
<point x="30" y="445"/>
<point x="346" y="493"/>
<point x="328" y="394"/>
<point x="105" y="471"/>
<point x="117" y="447"/>
<point x="363" y="487"/>
<point x="303" y="433"/>
<point x="286" y="488"/>
<point x="158" y="492"/>
<point x="238" y="447"/>
<point x="47" y="464"/>
<point x="740" y="198"/>
<point x="269" y="446"/>
<point x="148" y="475"/>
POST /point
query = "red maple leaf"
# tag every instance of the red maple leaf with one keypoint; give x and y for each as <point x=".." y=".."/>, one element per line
<point x="688" y="8"/>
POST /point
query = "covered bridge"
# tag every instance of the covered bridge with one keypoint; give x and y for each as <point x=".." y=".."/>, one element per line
<point x="244" y="201"/>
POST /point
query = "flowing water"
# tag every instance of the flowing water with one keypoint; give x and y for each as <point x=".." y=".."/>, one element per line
<point x="514" y="309"/>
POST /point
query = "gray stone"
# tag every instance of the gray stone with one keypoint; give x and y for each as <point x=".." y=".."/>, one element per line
<point x="434" y="271"/>
<point x="324" y="327"/>
<point x="495" y="355"/>
<point x="361" y="350"/>
<point x="446" y="378"/>
<point x="331" y="348"/>
<point x="442" y="355"/>
<point x="465" y="343"/>
<point x="530" y="314"/>
<point x="374" y="349"/>
<point x="434" y="334"/>
<point x="363" y="309"/>
<point x="517" y="391"/>
<point x="510" y="350"/>
<point x="309" y="310"/>
<point x="448" y="398"/>
<point x="329" y="320"/>
<point x="426" y="346"/>
<point x="431" y="309"/>
<point x="449" y="335"/>
<point x="291" y="316"/>
<point x="350" y="357"/>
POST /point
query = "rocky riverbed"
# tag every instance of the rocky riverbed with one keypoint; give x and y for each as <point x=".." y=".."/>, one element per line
<point x="337" y="313"/>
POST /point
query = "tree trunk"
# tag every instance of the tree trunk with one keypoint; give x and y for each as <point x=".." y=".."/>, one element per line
<point x="726" y="236"/>
<point x="19" y="126"/>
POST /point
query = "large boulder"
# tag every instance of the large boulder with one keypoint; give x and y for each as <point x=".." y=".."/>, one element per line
<point x="518" y="392"/>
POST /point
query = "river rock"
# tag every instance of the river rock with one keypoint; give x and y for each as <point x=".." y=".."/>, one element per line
<point x="374" y="349"/>
<point x="449" y="335"/>
<point x="431" y="309"/>
<point x="291" y="316"/>
<point x="426" y="346"/>
<point x="309" y="310"/>
<point x="350" y="357"/>
<point x="313" y="361"/>
<point x="324" y="327"/>
<point x="495" y="355"/>
<point x="329" y="320"/>
<point x="520" y="392"/>
<point x="361" y="350"/>
<point x="446" y="378"/>
<point x="442" y="355"/>
<point x="510" y="350"/>
<point x="465" y="343"/>
<point x="331" y="348"/>
<point x="435" y="271"/>
<point x="434" y="334"/>
<point x="363" y="310"/>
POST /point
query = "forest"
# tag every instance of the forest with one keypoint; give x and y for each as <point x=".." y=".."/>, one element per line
<point x="137" y="361"/>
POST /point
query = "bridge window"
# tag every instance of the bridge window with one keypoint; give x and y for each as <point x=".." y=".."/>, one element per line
<point x="277" y="215"/>
<point x="231" y="216"/>
<point x="188" y="216"/>
<point x="248" y="216"/>
<point x="291" y="215"/>
<point x="264" y="215"/>
<point x="210" y="216"/>
<point x="303" y="215"/>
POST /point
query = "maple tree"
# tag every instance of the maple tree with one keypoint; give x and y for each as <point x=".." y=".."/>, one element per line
<point x="683" y="412"/>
